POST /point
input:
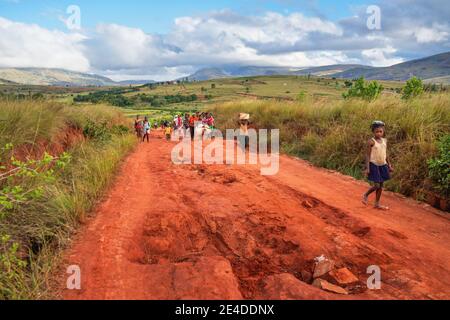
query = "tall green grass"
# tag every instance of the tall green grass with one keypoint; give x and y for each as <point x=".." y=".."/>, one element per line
<point x="42" y="227"/>
<point x="26" y="123"/>
<point x="334" y="134"/>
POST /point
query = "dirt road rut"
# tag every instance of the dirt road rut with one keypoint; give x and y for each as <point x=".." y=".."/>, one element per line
<point x="226" y="232"/>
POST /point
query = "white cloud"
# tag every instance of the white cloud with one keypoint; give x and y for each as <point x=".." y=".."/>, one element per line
<point x="220" y="38"/>
<point x="427" y="35"/>
<point x="28" y="45"/>
<point x="155" y="73"/>
<point x="117" y="47"/>
<point x="380" y="57"/>
<point x="198" y="33"/>
<point x="225" y="38"/>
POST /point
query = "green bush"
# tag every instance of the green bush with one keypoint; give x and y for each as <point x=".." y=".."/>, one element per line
<point x="301" y="96"/>
<point x="365" y="91"/>
<point x="22" y="185"/>
<point x="120" y="129"/>
<point x="439" y="167"/>
<point x="97" y="131"/>
<point x="12" y="270"/>
<point x="413" y="88"/>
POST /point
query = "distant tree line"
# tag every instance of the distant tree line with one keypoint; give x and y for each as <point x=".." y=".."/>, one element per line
<point x="22" y="96"/>
<point x="116" y="98"/>
<point x="414" y="87"/>
<point x="433" y="87"/>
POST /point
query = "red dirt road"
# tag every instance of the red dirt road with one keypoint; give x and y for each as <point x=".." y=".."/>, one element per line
<point x="226" y="232"/>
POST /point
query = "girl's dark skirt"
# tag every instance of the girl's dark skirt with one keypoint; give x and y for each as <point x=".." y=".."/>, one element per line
<point x="379" y="174"/>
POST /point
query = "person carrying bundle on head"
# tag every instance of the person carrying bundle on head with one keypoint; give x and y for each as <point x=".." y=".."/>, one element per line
<point x="244" y="122"/>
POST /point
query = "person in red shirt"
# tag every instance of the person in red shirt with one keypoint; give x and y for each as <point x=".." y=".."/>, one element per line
<point x="139" y="127"/>
<point x="210" y="121"/>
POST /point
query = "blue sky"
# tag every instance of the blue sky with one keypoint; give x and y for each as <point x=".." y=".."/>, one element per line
<point x="158" y="16"/>
<point x="131" y="39"/>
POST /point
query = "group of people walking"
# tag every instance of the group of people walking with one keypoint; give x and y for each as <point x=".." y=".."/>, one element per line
<point x="142" y="128"/>
<point x="378" y="165"/>
<point x="196" y="124"/>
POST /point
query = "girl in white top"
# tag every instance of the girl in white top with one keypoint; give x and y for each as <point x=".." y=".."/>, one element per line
<point x="378" y="166"/>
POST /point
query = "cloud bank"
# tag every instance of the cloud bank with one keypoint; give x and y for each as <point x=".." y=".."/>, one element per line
<point x="409" y="30"/>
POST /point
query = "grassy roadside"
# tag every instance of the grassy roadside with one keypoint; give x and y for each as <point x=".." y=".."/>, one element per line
<point x="34" y="230"/>
<point x="334" y="134"/>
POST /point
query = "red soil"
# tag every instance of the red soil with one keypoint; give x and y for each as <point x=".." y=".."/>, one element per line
<point x="226" y="232"/>
<point x="62" y="142"/>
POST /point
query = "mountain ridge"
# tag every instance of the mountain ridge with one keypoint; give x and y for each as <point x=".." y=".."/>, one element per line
<point x="428" y="68"/>
<point x="425" y="68"/>
<point x="249" y="71"/>
<point x="60" y="77"/>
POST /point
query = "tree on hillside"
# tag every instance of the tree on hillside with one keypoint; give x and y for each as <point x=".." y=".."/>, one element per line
<point x="413" y="88"/>
<point x="360" y="89"/>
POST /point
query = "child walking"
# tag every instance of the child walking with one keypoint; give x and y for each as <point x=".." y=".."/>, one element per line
<point x="168" y="132"/>
<point x="244" y="122"/>
<point x="378" y="165"/>
<point x="146" y="129"/>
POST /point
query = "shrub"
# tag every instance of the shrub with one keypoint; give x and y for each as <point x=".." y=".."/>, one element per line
<point x="22" y="185"/>
<point x="348" y="83"/>
<point x="22" y="182"/>
<point x="12" y="270"/>
<point x="439" y="167"/>
<point x="413" y="88"/>
<point x="97" y="131"/>
<point x="365" y="91"/>
<point x="301" y="96"/>
<point x="120" y="129"/>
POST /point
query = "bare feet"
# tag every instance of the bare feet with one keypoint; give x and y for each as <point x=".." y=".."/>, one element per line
<point x="365" y="200"/>
<point x="380" y="207"/>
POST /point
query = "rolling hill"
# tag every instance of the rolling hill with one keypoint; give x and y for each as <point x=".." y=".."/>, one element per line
<point x="434" y="69"/>
<point x="59" y="77"/>
<point x="439" y="80"/>
<point x="3" y="81"/>
<point x="252" y="71"/>
<point x="134" y="82"/>
<point x="208" y="74"/>
<point x="427" y="68"/>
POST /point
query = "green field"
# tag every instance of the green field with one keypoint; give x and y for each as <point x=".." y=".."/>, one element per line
<point x="316" y="122"/>
<point x="213" y="92"/>
<point x="264" y="86"/>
